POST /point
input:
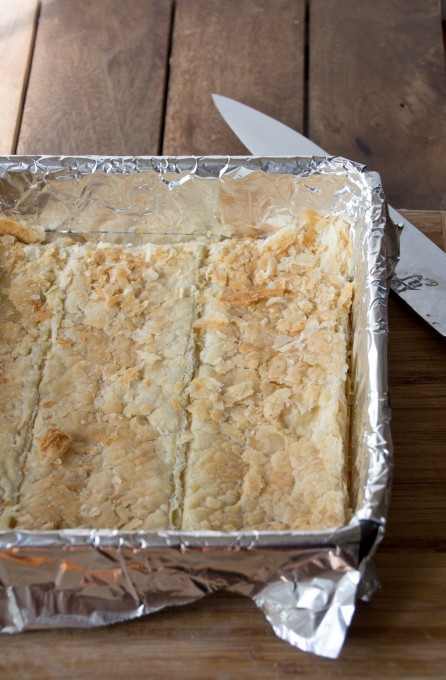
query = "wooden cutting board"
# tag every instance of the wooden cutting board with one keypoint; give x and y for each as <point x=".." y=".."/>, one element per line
<point x="401" y="633"/>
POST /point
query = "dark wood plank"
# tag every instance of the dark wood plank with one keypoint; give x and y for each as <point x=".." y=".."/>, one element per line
<point x="417" y="377"/>
<point x="17" y="30"/>
<point x="251" y="51"/>
<point x="377" y="92"/>
<point x="97" y="80"/>
<point x="433" y="223"/>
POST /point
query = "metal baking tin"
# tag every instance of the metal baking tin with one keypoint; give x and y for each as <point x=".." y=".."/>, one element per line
<point x="306" y="583"/>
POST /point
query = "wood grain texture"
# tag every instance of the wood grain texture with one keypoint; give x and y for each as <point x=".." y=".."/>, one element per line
<point x="417" y="375"/>
<point x="377" y="92"/>
<point x="17" y="30"/>
<point x="401" y="633"/>
<point x="434" y="224"/>
<point x="251" y="51"/>
<point x="97" y="80"/>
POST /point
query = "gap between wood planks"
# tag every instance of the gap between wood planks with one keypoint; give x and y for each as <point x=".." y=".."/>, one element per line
<point x="18" y="27"/>
<point x="15" y="140"/>
<point x="22" y="101"/>
<point x="306" y="111"/>
<point x="166" y="80"/>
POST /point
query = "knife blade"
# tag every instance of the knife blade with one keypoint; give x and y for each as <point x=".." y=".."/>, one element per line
<point x="420" y="278"/>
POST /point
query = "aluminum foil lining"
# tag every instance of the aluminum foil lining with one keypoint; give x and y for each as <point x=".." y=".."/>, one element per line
<point x="306" y="583"/>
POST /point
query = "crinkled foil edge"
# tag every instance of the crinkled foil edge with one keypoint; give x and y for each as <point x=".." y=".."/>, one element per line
<point x="306" y="583"/>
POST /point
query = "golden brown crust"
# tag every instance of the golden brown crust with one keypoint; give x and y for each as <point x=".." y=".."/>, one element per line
<point x="54" y="443"/>
<point x="104" y="442"/>
<point x="22" y="232"/>
<point x="176" y="386"/>
<point x="29" y="302"/>
<point x="268" y="404"/>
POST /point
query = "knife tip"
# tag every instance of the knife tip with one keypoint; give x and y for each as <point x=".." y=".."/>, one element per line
<point x="220" y="98"/>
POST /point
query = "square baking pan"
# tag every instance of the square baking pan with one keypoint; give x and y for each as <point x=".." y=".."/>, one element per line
<point x="306" y="583"/>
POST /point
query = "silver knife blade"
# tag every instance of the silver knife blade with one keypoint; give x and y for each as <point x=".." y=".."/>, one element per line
<point x="420" y="278"/>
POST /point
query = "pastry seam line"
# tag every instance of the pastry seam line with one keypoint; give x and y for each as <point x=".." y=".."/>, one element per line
<point x="196" y="335"/>
<point x="50" y="339"/>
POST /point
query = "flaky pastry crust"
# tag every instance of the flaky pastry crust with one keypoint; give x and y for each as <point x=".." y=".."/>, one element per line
<point x="191" y="386"/>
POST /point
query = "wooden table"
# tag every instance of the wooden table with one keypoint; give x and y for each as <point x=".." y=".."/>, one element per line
<point x="363" y="79"/>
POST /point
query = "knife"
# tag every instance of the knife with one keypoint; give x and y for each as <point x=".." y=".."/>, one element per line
<point x="420" y="278"/>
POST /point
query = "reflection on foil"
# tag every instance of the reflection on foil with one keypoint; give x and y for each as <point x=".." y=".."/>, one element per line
<point x="305" y="583"/>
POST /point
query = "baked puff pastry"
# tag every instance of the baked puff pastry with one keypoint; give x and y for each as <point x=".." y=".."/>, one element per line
<point x="193" y="386"/>
<point x="268" y="404"/>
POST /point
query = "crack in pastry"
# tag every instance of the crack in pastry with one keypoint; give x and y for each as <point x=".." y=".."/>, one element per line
<point x="191" y="351"/>
<point x="30" y="299"/>
<point x="106" y="436"/>
<point x="268" y="405"/>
